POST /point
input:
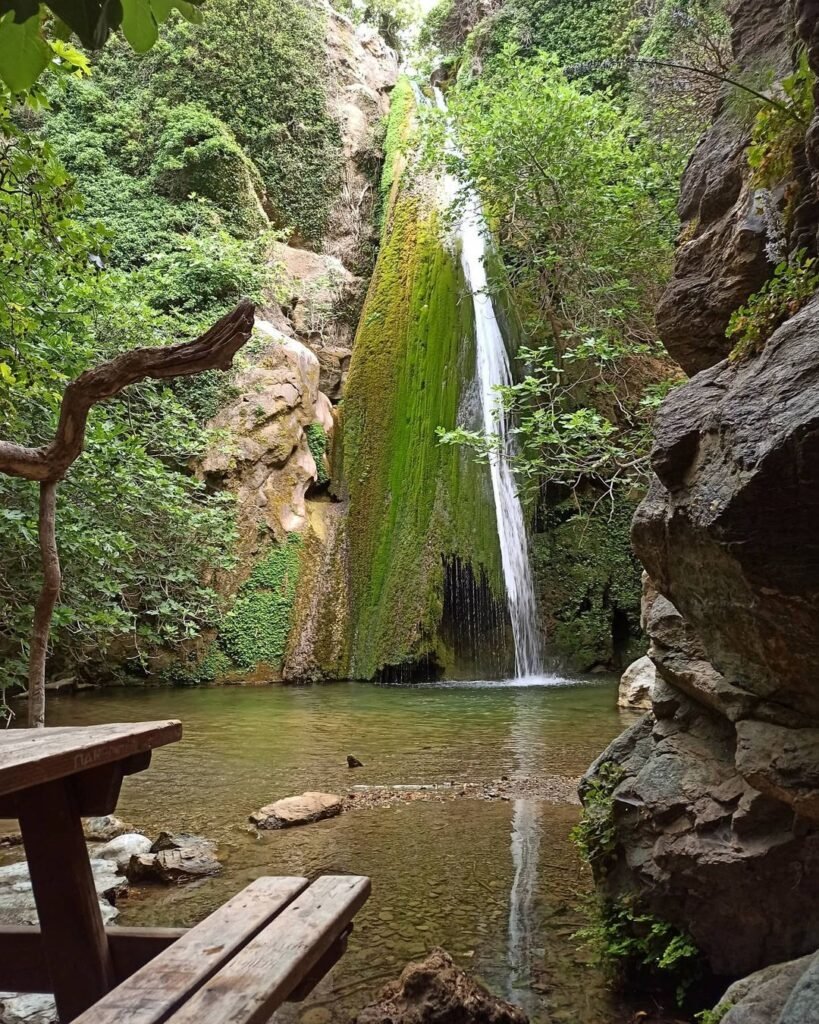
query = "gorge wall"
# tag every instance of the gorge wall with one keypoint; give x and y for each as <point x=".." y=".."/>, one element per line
<point x="715" y="792"/>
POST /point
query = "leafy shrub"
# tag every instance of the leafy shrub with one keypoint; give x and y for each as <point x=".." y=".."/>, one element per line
<point x="780" y="126"/>
<point x="794" y="283"/>
<point x="714" y="1016"/>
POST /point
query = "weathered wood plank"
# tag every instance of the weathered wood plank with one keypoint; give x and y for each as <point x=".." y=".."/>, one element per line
<point x="76" y="949"/>
<point x="152" y="994"/>
<point x="29" y="757"/>
<point x="251" y="986"/>
<point x="23" y="965"/>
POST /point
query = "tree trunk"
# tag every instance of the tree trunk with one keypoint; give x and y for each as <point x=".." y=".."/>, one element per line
<point x="49" y="592"/>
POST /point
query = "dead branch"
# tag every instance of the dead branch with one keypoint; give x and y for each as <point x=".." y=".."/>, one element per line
<point x="48" y="464"/>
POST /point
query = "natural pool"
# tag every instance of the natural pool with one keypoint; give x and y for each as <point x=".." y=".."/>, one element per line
<point x="496" y="883"/>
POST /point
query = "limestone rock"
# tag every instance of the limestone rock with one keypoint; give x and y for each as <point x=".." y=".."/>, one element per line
<point x="27" y="1008"/>
<point x="435" y="991"/>
<point x="721" y="256"/>
<point x="102" y="829"/>
<point x="262" y="452"/>
<point x="175" y="859"/>
<point x="761" y="997"/>
<point x="122" y="848"/>
<point x="17" y="896"/>
<point x="297" y="810"/>
<point x="362" y="71"/>
<point x="636" y="685"/>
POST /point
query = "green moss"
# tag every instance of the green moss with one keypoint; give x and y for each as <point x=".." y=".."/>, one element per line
<point x="588" y="583"/>
<point x="413" y="502"/>
<point x="256" y="629"/>
<point x="317" y="443"/>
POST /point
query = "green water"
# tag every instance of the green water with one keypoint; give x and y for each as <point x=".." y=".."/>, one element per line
<point x="495" y="883"/>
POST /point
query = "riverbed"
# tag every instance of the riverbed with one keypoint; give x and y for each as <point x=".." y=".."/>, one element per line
<point x="496" y="882"/>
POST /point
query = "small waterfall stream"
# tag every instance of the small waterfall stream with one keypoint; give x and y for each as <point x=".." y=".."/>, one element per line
<point x="494" y="370"/>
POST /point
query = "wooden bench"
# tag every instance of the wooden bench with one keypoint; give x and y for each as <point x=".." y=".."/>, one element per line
<point x="269" y="944"/>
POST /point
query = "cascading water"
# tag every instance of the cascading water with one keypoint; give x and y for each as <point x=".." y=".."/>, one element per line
<point x="494" y="370"/>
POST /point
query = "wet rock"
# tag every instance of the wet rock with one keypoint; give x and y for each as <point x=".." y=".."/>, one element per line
<point x="435" y="991"/>
<point x="761" y="998"/>
<point x="298" y="810"/>
<point x="353" y="762"/>
<point x="636" y="685"/>
<point x="175" y="859"/>
<point x="27" y="1008"/>
<point x="17" y="896"/>
<point x="100" y="830"/>
<point x="122" y="848"/>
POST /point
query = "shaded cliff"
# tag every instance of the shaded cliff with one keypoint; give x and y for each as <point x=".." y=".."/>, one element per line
<point x="714" y="803"/>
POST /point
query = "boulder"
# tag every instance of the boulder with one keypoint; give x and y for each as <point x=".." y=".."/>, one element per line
<point x="175" y="859"/>
<point x="100" y="830"/>
<point x="27" y="1008"/>
<point x="761" y="998"/>
<point x="122" y="848"/>
<point x="435" y="991"/>
<point x="636" y="685"/>
<point x="17" y="896"/>
<point x="298" y="810"/>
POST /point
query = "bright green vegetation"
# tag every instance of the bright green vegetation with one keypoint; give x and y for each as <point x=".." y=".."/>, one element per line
<point x="317" y="443"/>
<point x="402" y="105"/>
<point x="412" y="501"/>
<point x="588" y="581"/>
<point x="629" y="943"/>
<point x="255" y="631"/>
<point x="137" y="534"/>
<point x="793" y="284"/>
<point x="779" y="127"/>
<point x="714" y="1016"/>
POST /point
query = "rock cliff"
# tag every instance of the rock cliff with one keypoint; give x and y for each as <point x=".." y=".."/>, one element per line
<point x="715" y="805"/>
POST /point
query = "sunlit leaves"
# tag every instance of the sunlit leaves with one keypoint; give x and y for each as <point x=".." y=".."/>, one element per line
<point x="24" y="54"/>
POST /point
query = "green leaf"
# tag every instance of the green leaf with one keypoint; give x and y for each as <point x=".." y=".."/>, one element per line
<point x="139" y="24"/>
<point x="24" y="54"/>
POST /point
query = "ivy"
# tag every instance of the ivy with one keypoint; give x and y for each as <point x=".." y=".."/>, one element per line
<point x="317" y="443"/>
<point x="793" y="284"/>
<point x="256" y="629"/>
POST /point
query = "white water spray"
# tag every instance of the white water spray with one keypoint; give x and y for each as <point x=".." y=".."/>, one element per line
<point x="494" y="370"/>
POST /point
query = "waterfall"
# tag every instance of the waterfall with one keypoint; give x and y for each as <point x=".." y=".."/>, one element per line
<point x="494" y="370"/>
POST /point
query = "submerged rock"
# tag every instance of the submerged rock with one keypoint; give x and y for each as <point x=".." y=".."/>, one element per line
<point x="636" y="685"/>
<point x="435" y="991"/>
<point x="298" y="810"/>
<point x="175" y="859"/>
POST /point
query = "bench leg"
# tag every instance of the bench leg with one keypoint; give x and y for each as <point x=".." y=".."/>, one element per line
<point x="73" y="935"/>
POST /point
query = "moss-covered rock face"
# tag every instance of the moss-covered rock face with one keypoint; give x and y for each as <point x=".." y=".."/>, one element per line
<point x="413" y="502"/>
<point x="588" y="585"/>
<point x="197" y="154"/>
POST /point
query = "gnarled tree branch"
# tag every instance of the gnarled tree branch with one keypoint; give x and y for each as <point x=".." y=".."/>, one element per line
<point x="48" y="464"/>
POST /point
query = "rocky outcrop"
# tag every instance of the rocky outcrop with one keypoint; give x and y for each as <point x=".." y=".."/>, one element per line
<point x="775" y="995"/>
<point x="362" y="71"/>
<point x="721" y="258"/>
<point x="262" y="453"/>
<point x="298" y="810"/>
<point x="435" y="991"/>
<point x="636" y="685"/>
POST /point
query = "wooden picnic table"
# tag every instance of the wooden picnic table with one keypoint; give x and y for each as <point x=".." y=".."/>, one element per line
<point x="49" y="780"/>
<point x="270" y="943"/>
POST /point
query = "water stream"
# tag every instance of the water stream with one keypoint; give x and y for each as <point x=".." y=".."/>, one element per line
<point x="493" y="372"/>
